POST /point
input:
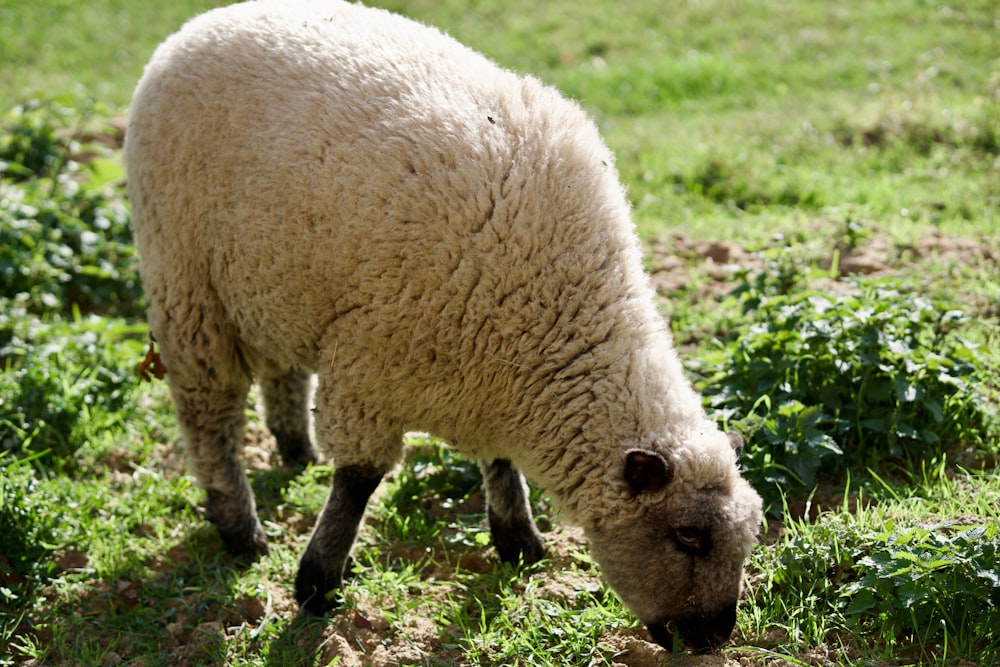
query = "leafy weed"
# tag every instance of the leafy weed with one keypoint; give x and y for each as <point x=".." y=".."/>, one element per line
<point x="832" y="383"/>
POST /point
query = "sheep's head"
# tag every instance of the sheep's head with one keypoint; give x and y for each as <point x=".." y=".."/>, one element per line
<point x="679" y="559"/>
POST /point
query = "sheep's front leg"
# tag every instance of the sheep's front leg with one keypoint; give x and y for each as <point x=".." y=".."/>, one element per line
<point x="513" y="529"/>
<point x="321" y="570"/>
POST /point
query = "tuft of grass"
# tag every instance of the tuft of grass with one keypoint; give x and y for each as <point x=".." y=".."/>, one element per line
<point x="915" y="579"/>
<point x="30" y="519"/>
<point x="522" y="623"/>
<point x="739" y="186"/>
<point x="65" y="384"/>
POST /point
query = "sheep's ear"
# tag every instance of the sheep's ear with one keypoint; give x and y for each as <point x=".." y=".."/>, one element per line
<point x="646" y="471"/>
<point x="736" y="441"/>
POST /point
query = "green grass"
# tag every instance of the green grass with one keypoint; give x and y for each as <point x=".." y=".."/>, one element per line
<point x="893" y="578"/>
<point x="82" y="49"/>
<point x="800" y="136"/>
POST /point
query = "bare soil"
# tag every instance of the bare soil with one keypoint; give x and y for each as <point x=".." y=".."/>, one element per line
<point x="678" y="263"/>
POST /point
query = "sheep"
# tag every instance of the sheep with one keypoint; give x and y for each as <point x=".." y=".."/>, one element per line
<point x="319" y="187"/>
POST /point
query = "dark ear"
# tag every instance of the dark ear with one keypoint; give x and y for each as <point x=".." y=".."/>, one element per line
<point x="736" y="441"/>
<point x="646" y="471"/>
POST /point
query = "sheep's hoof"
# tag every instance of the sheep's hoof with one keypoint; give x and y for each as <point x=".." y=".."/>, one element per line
<point x="243" y="537"/>
<point x="525" y="554"/>
<point x="516" y="542"/>
<point x="246" y="545"/>
<point x="295" y="449"/>
<point x="316" y="592"/>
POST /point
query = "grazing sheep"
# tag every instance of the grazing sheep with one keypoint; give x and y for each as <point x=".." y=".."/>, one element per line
<point x="320" y="187"/>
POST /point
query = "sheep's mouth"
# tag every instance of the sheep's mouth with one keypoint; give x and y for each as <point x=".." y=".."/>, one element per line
<point x="662" y="635"/>
<point x="694" y="638"/>
<point x="703" y="633"/>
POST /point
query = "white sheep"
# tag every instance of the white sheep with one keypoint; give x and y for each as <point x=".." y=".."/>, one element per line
<point x="321" y="187"/>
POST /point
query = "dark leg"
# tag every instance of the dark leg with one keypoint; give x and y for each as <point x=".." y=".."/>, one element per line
<point x="514" y="533"/>
<point x="212" y="421"/>
<point x="209" y="381"/>
<point x="286" y="404"/>
<point x="321" y="570"/>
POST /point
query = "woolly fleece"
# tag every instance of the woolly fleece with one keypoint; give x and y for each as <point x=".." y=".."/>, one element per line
<point x="332" y="188"/>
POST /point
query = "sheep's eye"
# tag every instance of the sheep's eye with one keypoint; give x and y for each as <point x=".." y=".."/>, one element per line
<point x="689" y="539"/>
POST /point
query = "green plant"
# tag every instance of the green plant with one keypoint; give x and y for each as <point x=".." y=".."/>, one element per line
<point x="66" y="382"/>
<point x="853" y="234"/>
<point x="830" y="383"/>
<point x="31" y="145"/>
<point x="927" y="580"/>
<point x="784" y="273"/>
<point x="64" y="234"/>
<point x="911" y="584"/>
<point x="71" y="248"/>
<point x="29" y="523"/>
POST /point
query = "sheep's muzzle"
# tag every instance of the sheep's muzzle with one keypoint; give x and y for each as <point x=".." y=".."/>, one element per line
<point x="703" y="632"/>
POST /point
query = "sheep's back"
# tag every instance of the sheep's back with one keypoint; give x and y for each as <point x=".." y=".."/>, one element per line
<point x="339" y="169"/>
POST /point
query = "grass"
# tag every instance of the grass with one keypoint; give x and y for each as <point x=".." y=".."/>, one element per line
<point x="93" y="50"/>
<point x="902" y="572"/>
<point x="801" y="139"/>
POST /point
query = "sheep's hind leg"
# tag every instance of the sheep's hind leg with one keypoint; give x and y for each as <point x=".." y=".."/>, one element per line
<point x="321" y="570"/>
<point x="513" y="529"/>
<point x="210" y="411"/>
<point x="286" y="406"/>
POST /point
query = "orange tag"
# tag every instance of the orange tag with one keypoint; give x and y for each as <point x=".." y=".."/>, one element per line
<point x="151" y="365"/>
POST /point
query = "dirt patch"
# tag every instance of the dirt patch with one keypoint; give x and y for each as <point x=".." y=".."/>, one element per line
<point x="679" y="264"/>
<point x="359" y="638"/>
<point x="632" y="650"/>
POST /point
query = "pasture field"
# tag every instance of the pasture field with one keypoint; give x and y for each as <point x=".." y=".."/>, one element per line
<point x="817" y="187"/>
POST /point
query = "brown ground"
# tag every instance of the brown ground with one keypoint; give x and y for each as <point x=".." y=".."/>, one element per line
<point x="678" y="262"/>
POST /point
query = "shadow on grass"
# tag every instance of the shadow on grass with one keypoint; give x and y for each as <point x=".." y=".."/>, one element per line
<point x="268" y="485"/>
<point x="175" y="604"/>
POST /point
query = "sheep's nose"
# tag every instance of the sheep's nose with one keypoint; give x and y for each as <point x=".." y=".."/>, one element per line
<point x="707" y="633"/>
<point x="702" y="633"/>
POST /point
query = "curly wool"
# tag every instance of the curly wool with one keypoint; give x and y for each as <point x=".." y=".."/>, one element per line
<point x="445" y="243"/>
